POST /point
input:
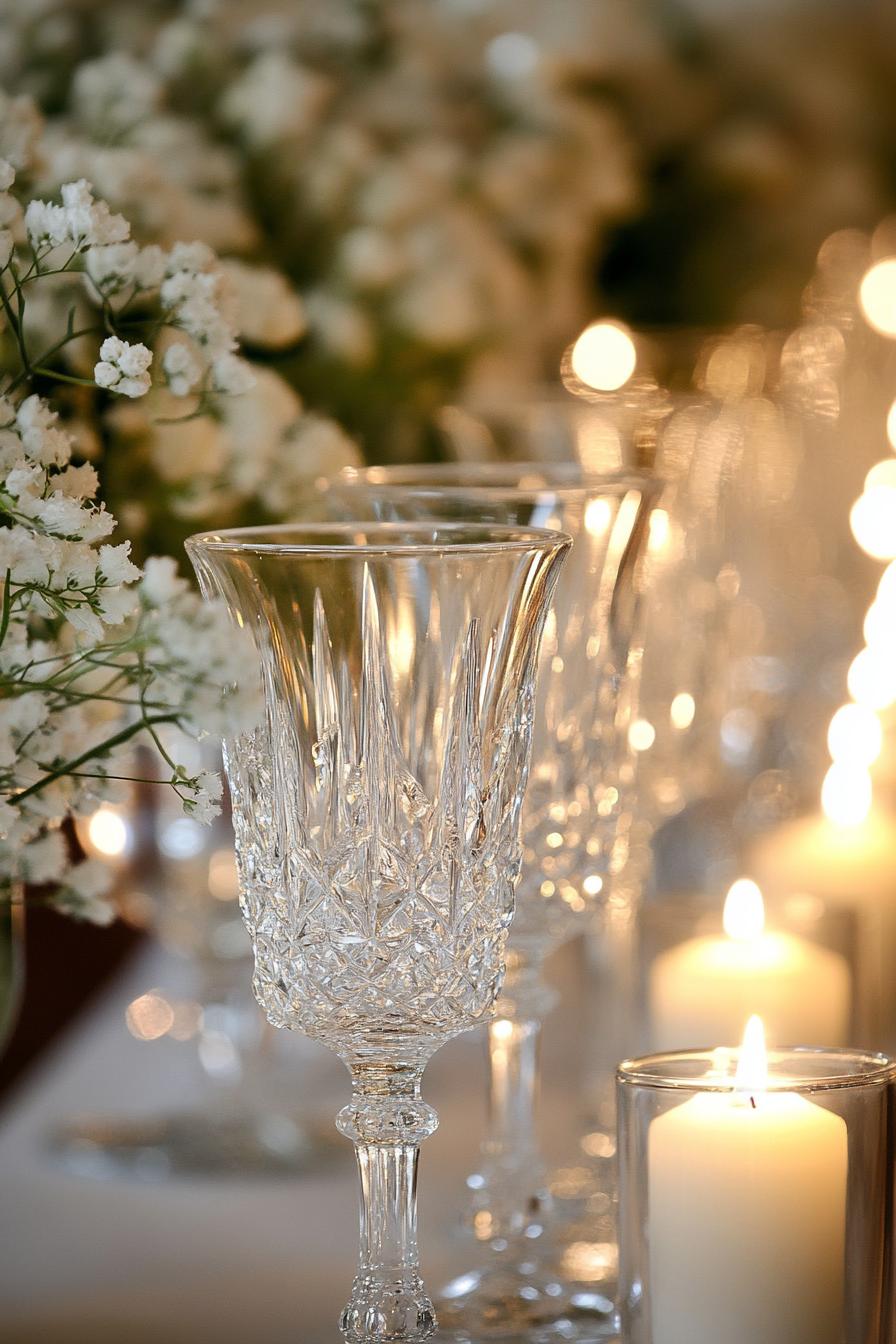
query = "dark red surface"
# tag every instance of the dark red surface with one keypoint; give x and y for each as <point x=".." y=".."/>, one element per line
<point x="66" y="964"/>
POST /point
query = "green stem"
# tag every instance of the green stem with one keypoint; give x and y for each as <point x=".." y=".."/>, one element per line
<point x="103" y="749"/>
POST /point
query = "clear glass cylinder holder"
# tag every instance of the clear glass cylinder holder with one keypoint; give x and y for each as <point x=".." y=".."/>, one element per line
<point x="376" y="812"/>
<point x="756" y="1214"/>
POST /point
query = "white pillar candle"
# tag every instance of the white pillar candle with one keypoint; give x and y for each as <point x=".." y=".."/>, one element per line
<point x="703" y="990"/>
<point x="848" y="865"/>
<point x="746" y="1216"/>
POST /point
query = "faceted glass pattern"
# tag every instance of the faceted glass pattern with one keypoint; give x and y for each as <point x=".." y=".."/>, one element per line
<point x="376" y="814"/>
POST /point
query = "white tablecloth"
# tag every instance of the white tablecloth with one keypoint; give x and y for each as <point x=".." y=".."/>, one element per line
<point x="232" y="1261"/>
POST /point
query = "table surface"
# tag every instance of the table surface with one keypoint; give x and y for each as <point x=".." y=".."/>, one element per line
<point x="232" y="1260"/>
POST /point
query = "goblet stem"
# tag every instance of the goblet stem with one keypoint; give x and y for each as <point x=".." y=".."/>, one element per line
<point x="511" y="1197"/>
<point x="387" y="1121"/>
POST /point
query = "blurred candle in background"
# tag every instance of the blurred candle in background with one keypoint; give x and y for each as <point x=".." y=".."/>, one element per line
<point x="702" y="991"/>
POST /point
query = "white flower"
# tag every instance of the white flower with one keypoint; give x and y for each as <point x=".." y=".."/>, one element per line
<point x="232" y="375"/>
<point x="116" y="565"/>
<point x="45" y="860"/>
<point x="182" y="369"/>
<point x="114" y="93"/>
<point x="46" y="224"/>
<point x="275" y="99"/>
<point x="203" y="803"/>
<point x="161" y="582"/>
<point x="6" y="246"/>
<point x="7" y="175"/>
<point x="149" y="268"/>
<point x="123" y="367"/>
<point x="91" y="223"/>
<point x="80" y="220"/>
<point x="111" y="268"/>
<point x="86" y="884"/>
<point x="268" y="311"/>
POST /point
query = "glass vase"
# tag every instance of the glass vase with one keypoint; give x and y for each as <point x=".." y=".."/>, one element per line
<point x="376" y="814"/>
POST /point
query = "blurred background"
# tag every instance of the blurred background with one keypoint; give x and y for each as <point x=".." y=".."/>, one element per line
<point x="464" y="229"/>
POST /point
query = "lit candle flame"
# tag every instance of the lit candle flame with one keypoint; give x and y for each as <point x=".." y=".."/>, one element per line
<point x="604" y="356"/>
<point x="743" y="918"/>
<point x="752" y="1064"/>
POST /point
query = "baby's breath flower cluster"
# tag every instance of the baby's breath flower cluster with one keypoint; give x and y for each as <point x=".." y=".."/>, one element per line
<point x="94" y="652"/>
<point x="435" y="187"/>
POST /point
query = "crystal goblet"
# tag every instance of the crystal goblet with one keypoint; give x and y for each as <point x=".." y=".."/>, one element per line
<point x="376" y="814"/>
<point x="576" y="805"/>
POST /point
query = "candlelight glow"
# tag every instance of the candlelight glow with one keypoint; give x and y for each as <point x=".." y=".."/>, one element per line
<point x="107" y="832"/>
<point x="641" y="735"/>
<point x="597" y="516"/>
<point x="872" y="678"/>
<point x="877" y="296"/>
<point x="891" y="426"/>
<point x="604" y="356"/>
<point x="886" y="589"/>
<point x="752" y="1063"/>
<point x="846" y="794"/>
<point x="882" y="473"/>
<point x="682" y="710"/>
<point x="873" y="521"/>
<point x="855" y="736"/>
<point x="743" y="918"/>
<point x="659" y="529"/>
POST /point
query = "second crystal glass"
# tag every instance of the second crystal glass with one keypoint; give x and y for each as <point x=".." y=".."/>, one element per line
<point x="376" y="814"/>
<point x="576" y="804"/>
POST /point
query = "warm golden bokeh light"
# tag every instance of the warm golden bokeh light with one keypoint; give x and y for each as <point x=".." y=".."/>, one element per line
<point x="872" y="678"/>
<point x="641" y="735"/>
<point x="682" y="710"/>
<point x="659" y="529"/>
<point x="604" y="356"/>
<point x="855" y="736"/>
<point x="882" y="473"/>
<point x="873" y="522"/>
<point x="150" y="1016"/>
<point x="877" y="296"/>
<point x="597" y="516"/>
<point x="846" y="794"/>
<point x="743" y="918"/>
<point x="107" y="832"/>
<point x="891" y="426"/>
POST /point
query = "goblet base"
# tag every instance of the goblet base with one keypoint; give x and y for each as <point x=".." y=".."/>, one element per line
<point x="193" y="1144"/>
<point x="402" y="1315"/>
<point x="520" y="1302"/>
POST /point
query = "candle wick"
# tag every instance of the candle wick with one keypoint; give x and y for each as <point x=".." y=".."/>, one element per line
<point x="753" y="1102"/>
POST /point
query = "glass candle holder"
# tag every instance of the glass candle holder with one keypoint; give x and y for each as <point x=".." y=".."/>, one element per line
<point x="756" y="1208"/>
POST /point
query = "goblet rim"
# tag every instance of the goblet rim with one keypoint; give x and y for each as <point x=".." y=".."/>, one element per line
<point x="435" y="539"/>
<point x="497" y="480"/>
<point x="812" y="1069"/>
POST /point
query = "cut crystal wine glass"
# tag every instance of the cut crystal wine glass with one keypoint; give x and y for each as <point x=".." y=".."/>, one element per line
<point x="576" y="804"/>
<point x="376" y="814"/>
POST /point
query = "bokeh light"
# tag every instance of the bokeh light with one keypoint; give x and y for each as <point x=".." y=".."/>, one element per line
<point x="846" y="794"/>
<point x="872" y="679"/>
<point x="891" y="426"/>
<point x="107" y="832"/>
<point x="855" y="736"/>
<point x="604" y="356"/>
<point x="682" y="710"/>
<point x="641" y="735"/>
<point x="873" y="522"/>
<point x="877" y="296"/>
